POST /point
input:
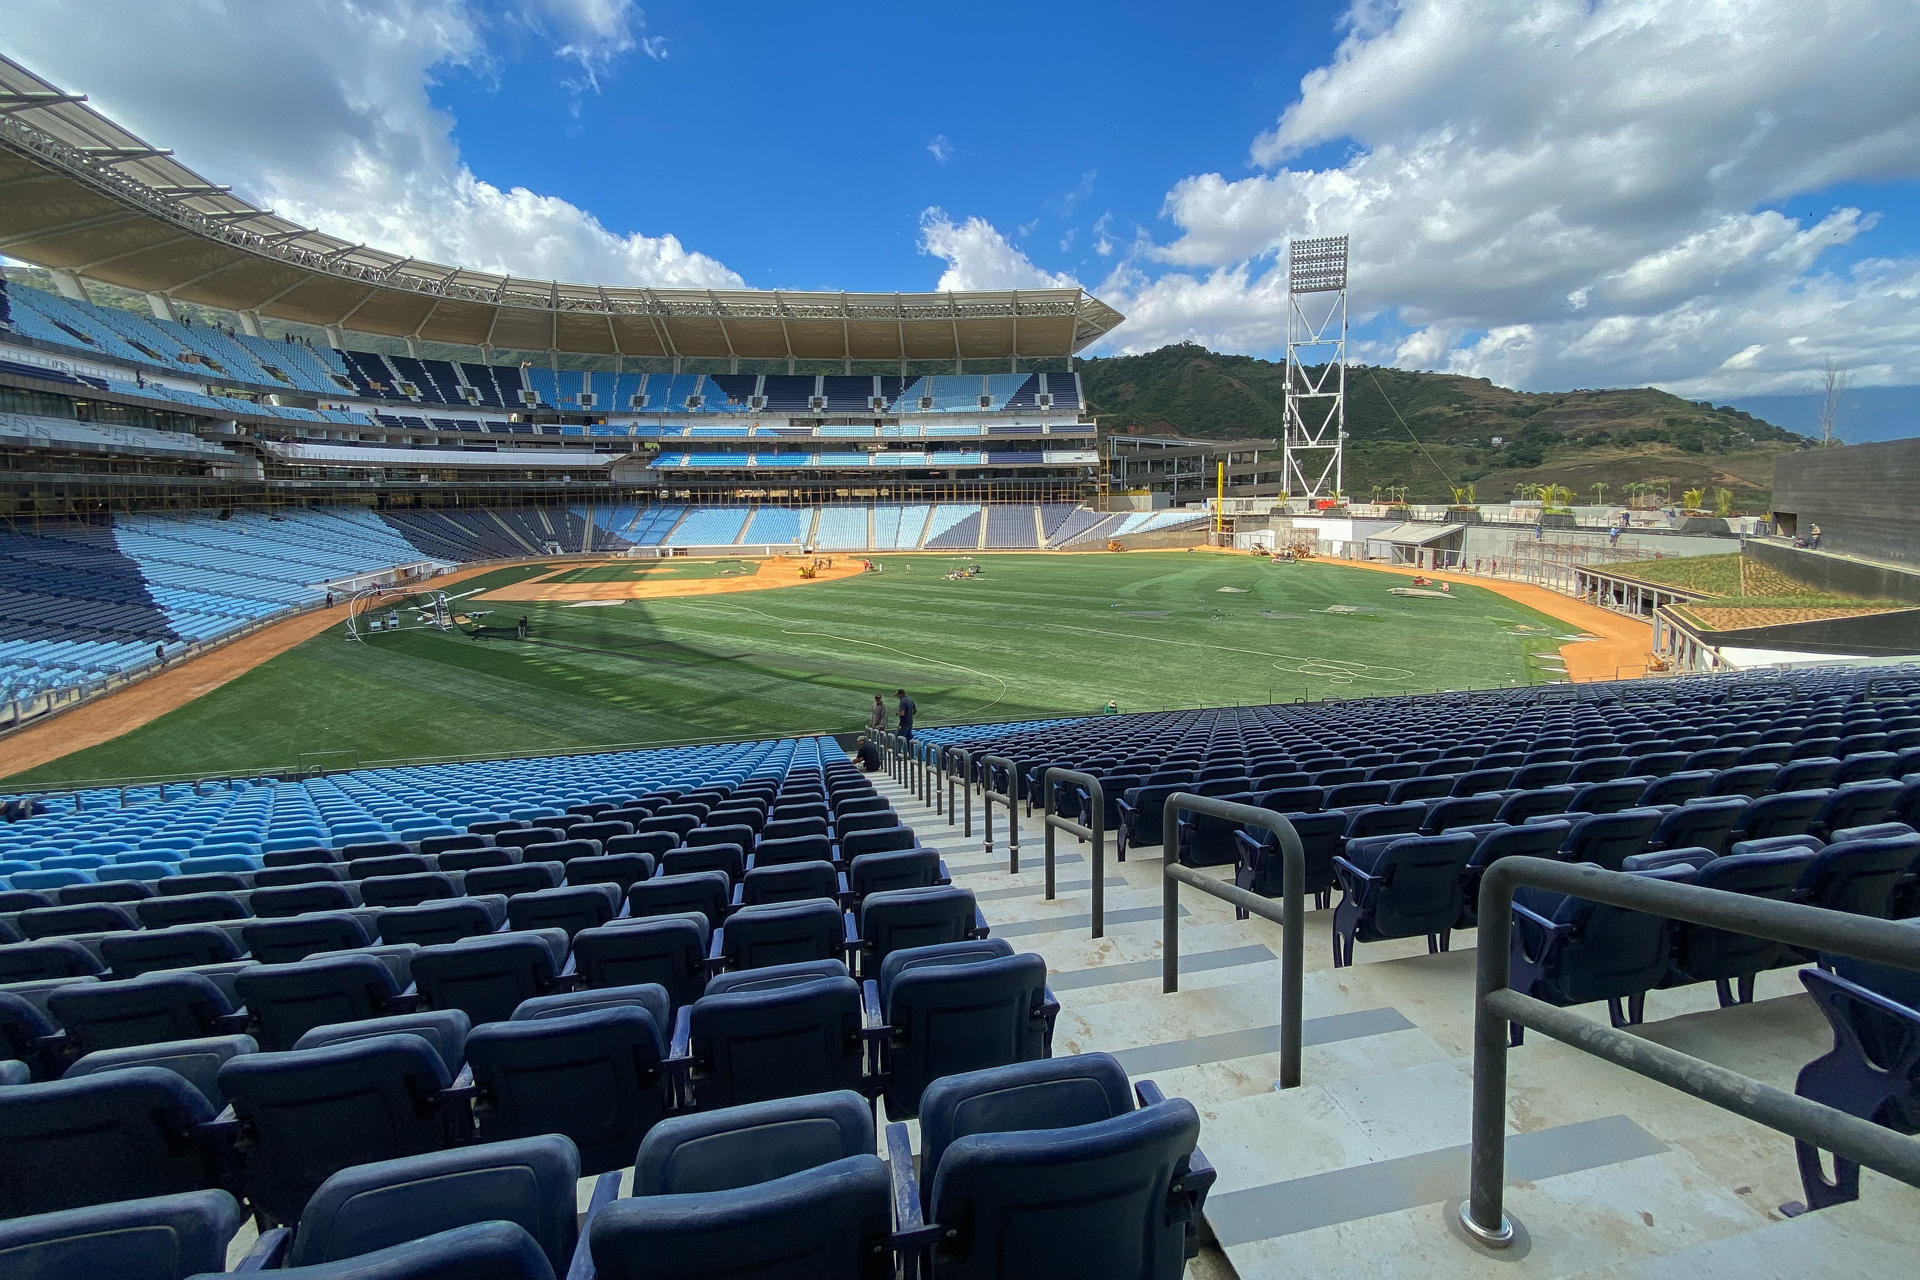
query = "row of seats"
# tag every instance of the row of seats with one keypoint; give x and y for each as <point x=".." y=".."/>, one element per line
<point x="1053" y="1167"/>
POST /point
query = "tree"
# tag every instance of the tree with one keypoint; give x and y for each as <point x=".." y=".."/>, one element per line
<point x="1831" y="387"/>
<point x="1599" y="493"/>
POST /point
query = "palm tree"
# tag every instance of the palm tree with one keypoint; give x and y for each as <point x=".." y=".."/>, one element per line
<point x="1599" y="493"/>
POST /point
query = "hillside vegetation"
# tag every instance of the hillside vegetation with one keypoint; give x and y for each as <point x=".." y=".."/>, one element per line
<point x="1447" y="425"/>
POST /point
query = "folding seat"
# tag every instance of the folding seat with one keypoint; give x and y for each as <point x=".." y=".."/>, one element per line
<point x="1677" y="787"/>
<point x="521" y="837"/>
<point x="12" y="900"/>
<point x="302" y="899"/>
<point x="781" y="933"/>
<point x="446" y="1030"/>
<point x="789" y="828"/>
<point x="1656" y="763"/>
<point x="301" y="857"/>
<point x="730" y="859"/>
<point x="1540" y="773"/>
<point x="1139" y="810"/>
<point x="194" y="908"/>
<point x="570" y="908"/>
<point x="1718" y="759"/>
<point x="1049" y="1163"/>
<point x="1606" y="838"/>
<point x="675" y="824"/>
<point x="307" y="1114"/>
<point x="1766" y="753"/>
<point x="302" y="873"/>
<point x="882" y="819"/>
<point x="955" y="1007"/>
<point x="897" y="918"/>
<point x="52" y="958"/>
<point x="474" y="859"/>
<point x="92" y="917"/>
<point x="621" y="869"/>
<point x="286" y="939"/>
<point x="704" y="891"/>
<point x="685" y="807"/>
<point x="157" y="1238"/>
<point x="447" y="920"/>
<point x="1731" y="960"/>
<point x="1259" y="868"/>
<point x="368" y="1208"/>
<point x="588" y="1065"/>
<point x="740" y="837"/>
<point x="667" y="950"/>
<point x="797" y="849"/>
<point x="121" y="891"/>
<point x="1814" y="745"/>
<point x="1454" y="811"/>
<point x="1492" y="843"/>
<point x="408" y="890"/>
<point x="1204" y="840"/>
<point x="1784" y="813"/>
<point x="1400" y="886"/>
<point x="285" y="1001"/>
<point x="788" y="1031"/>
<point x="1425" y="787"/>
<point x="1804" y="774"/>
<point x="48" y="878"/>
<point x="1873" y="1069"/>
<point x="600" y="831"/>
<point x="197" y="1060"/>
<point x="143" y="1010"/>
<point x="752" y="1143"/>
<point x="794" y="882"/>
<point x="392" y="864"/>
<point x="1857" y="804"/>
<point x="119" y="1135"/>
<point x="1864" y="766"/>
<point x="1607" y="797"/>
<point x="491" y="827"/>
<point x="1699" y="823"/>
<point x="1859" y="876"/>
<point x="1523" y="806"/>
<point x="512" y="881"/>
<point x="170" y="947"/>
<point x="204" y="882"/>
<point x="28" y="1034"/>
<point x="1569" y="950"/>
<point x="651" y="843"/>
<point x="1476" y="781"/>
<point x="486" y="978"/>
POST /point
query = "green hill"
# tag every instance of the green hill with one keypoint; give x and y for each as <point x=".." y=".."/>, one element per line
<point x="1447" y="425"/>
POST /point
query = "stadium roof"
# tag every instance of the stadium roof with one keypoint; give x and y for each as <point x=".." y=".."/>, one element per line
<point x="78" y="193"/>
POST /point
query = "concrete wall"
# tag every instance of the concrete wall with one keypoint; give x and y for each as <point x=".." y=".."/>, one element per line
<point x="1836" y="573"/>
<point x="1861" y="496"/>
<point x="1882" y="635"/>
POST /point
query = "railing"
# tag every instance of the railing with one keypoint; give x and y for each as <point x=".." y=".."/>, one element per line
<point x="1290" y="915"/>
<point x="1496" y="1005"/>
<point x="1010" y="798"/>
<point x="1094" y="832"/>
<point x="965" y="777"/>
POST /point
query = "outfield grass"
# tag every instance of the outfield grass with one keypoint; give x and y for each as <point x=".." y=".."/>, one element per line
<point x="1036" y="635"/>
<point x="655" y="570"/>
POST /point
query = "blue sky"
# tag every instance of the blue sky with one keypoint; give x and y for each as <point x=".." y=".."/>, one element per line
<point x="1716" y="199"/>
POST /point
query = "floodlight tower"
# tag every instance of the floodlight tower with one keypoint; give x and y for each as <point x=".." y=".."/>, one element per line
<point x="1316" y="409"/>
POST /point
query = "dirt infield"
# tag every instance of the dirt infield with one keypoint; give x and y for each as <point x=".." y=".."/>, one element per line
<point x="763" y="575"/>
<point x="1621" y="649"/>
<point x="106" y="718"/>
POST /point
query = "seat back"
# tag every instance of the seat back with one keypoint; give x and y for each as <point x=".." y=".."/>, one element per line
<point x="898" y="918"/>
<point x="792" y="882"/>
<point x="485" y="978"/>
<point x="894" y="869"/>
<point x="953" y="1015"/>
<point x="1860" y="876"/>
<point x="1606" y="838"/>
<point x="879" y="840"/>
<point x="198" y="1061"/>
<point x="88" y="917"/>
<point x="294" y="938"/>
<point x="753" y="1143"/>
<point x="446" y="1030"/>
<point x="308" y="1114"/>
<point x="833" y="1221"/>
<point x="1045" y="1094"/>
<point x="284" y="1001"/>
<point x="702" y="891"/>
<point x="728" y="858"/>
<point x="158" y="1238"/>
<point x="1423" y="885"/>
<point x="277" y="902"/>
<point x="193" y="908"/>
<point x="144" y="1010"/>
<point x="407" y="890"/>
<point x="619" y="869"/>
<point x="511" y="882"/>
<point x="783" y="933"/>
<point x="43" y="961"/>
<point x="797" y="1039"/>
<point x="525" y="1181"/>
<point x="593" y="1076"/>
<point x="771" y="853"/>
<point x="95" y="1139"/>
<point x="667" y="949"/>
<point x="432" y="923"/>
<point x="1097" y="1199"/>
<point x="569" y="908"/>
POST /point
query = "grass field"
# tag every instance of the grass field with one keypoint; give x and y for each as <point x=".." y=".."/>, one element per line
<point x="653" y="571"/>
<point x="1035" y="635"/>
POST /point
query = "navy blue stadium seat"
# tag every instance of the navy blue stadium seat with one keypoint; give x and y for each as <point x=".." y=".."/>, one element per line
<point x="895" y="869"/>
<point x="284" y="1001"/>
<point x="728" y="858"/>
<point x="1568" y="950"/>
<point x="158" y="1238"/>
<point x="197" y="1061"/>
<point x="1859" y="876"/>
<point x="484" y="1251"/>
<point x="512" y="881"/>
<point x="486" y="978"/>
<point x="192" y="908"/>
<point x="784" y="1031"/>
<point x="448" y="920"/>
<point x="791" y="882"/>
<point x="1872" y="1071"/>
<point x="169" y="947"/>
<point x="569" y="908"/>
<point x="1607" y="838"/>
<point x="954" y="1007"/>
<point x="1400" y="886"/>
<point x="619" y="869"/>
<point x="445" y="1030"/>
<point x="1731" y="960"/>
<point x="144" y="1010"/>
<point x="95" y="1139"/>
<point x="897" y="918"/>
<point x="781" y="933"/>
<point x="283" y="901"/>
<point x="668" y="950"/>
<point x="703" y="891"/>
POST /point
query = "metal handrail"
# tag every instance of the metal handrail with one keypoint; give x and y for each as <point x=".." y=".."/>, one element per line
<point x="1094" y="833"/>
<point x="1290" y="915"/>
<point x="1496" y="1004"/>
<point x="1010" y="798"/>
<point x="966" y="788"/>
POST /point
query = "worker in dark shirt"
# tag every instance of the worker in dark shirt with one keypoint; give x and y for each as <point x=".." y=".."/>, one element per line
<point x="905" y="713"/>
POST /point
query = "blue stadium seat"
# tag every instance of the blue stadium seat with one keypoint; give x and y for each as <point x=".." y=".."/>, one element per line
<point x="667" y="950"/>
<point x="786" y="1030"/>
<point x="955" y="1007"/>
<point x="285" y="1001"/>
<point x="119" y="1135"/>
<point x="197" y="1061"/>
<point x="484" y="1251"/>
<point x="1568" y="950"/>
<point x="1400" y="886"/>
<point x="144" y="1010"/>
<point x="486" y="978"/>
<point x="158" y="1238"/>
<point x="1872" y="1071"/>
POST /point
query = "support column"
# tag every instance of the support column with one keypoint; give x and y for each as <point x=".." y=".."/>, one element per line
<point x="161" y="306"/>
<point x="250" y="324"/>
<point x="413" y="346"/>
<point x="68" y="284"/>
<point x="334" y="336"/>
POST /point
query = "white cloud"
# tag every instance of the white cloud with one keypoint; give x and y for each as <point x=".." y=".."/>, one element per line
<point x="1570" y="192"/>
<point x="595" y="33"/>
<point x="979" y="257"/>
<point x="940" y="149"/>
<point x="323" y="114"/>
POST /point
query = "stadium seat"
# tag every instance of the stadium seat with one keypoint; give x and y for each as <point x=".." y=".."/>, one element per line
<point x="1872" y="1071"/>
<point x="284" y="1001"/>
<point x="788" y="1030"/>
<point x="703" y="891"/>
<point x="955" y="1007"/>
<point x="192" y="908"/>
<point x="42" y="961"/>
<point x="449" y="920"/>
<point x="169" y="947"/>
<point x="1859" y="876"/>
<point x="167" y="1237"/>
<point x="445" y="1030"/>
<point x="781" y="933"/>
<point x="569" y="908"/>
<point x="484" y="1251"/>
<point x="197" y="1061"/>
<point x="1569" y="950"/>
<point x="1731" y="960"/>
<point x="486" y="978"/>
<point x="309" y="1113"/>
<point x="688" y="859"/>
<point x="144" y="1010"/>
<point x="669" y="950"/>
<point x="1400" y="886"/>
<point x="516" y="879"/>
<point x="897" y="918"/>
<point x="1048" y="1162"/>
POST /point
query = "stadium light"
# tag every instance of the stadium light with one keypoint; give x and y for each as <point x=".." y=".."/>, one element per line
<point x="1316" y="266"/>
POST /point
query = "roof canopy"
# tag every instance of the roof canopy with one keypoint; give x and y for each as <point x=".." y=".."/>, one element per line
<point x="79" y="193"/>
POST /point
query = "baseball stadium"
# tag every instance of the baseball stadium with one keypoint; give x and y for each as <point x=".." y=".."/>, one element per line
<point x="520" y="778"/>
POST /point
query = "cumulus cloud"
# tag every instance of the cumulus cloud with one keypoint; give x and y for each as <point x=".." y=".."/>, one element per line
<point x="940" y="149"/>
<point x="978" y="256"/>
<point x="321" y="111"/>
<point x="1571" y="192"/>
